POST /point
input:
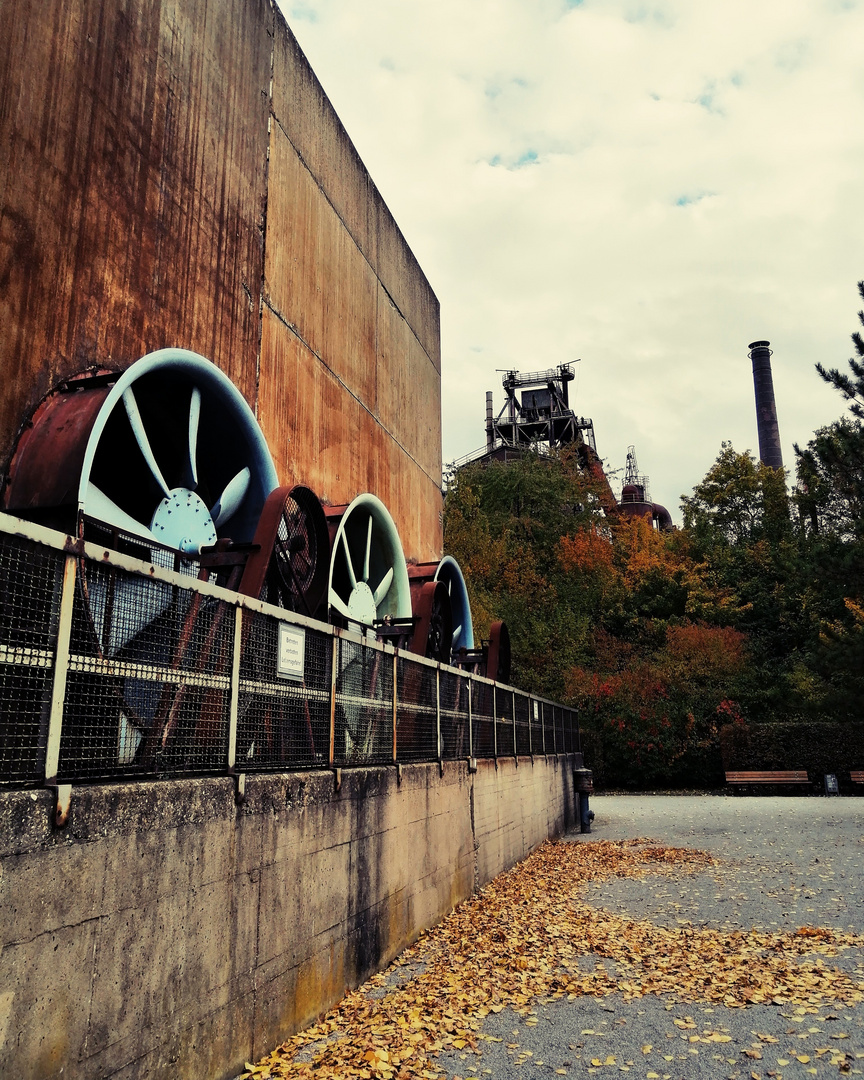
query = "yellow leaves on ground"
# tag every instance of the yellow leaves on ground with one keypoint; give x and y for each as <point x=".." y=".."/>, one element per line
<point x="520" y="939"/>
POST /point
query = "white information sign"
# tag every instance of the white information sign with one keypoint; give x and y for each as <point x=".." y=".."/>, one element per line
<point x="292" y="652"/>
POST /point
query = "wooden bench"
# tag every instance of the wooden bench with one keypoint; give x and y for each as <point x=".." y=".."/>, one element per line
<point x="769" y="776"/>
<point x="856" y="776"/>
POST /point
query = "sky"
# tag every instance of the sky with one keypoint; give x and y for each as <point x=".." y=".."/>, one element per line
<point x="646" y="187"/>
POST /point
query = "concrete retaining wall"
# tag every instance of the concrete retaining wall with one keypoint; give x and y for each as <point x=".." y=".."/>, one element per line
<point x="168" y="932"/>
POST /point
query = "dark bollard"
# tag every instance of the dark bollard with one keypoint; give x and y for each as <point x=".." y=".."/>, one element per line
<point x="583" y="784"/>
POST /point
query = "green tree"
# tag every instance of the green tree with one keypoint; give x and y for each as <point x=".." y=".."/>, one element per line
<point x="830" y="488"/>
<point x="830" y="498"/>
<point x="740" y="500"/>
<point x="850" y="386"/>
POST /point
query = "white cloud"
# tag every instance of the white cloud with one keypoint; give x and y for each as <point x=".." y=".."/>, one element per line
<point x="647" y="185"/>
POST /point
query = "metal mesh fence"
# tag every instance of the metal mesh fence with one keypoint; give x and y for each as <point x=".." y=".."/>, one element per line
<point x="125" y="543"/>
<point x="149" y="677"/>
<point x="416" y="719"/>
<point x="549" y="728"/>
<point x="568" y="730"/>
<point x="30" y="584"/>
<point x="150" y="681"/>
<point x="537" y="743"/>
<point x="283" y="719"/>
<point x="363" y="722"/>
<point x="504" y="722"/>
<point x="483" y="718"/>
<point x="453" y="691"/>
<point x="558" y="728"/>
<point x="523" y="725"/>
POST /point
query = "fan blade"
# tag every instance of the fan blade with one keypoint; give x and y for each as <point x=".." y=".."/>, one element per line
<point x="194" y="417"/>
<point x="229" y="501"/>
<point x="368" y="551"/>
<point x="457" y="632"/>
<point x="98" y="505"/>
<point x="137" y="425"/>
<point x="381" y="591"/>
<point x="337" y="602"/>
<point x="351" y="573"/>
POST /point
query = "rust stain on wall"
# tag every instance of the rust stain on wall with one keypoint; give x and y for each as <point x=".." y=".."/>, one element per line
<point x="139" y="210"/>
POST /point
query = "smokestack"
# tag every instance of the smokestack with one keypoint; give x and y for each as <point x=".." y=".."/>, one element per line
<point x="490" y="438"/>
<point x="766" y="410"/>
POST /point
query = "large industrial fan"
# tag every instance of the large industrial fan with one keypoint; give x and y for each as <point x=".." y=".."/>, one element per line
<point x="164" y="461"/>
<point x="289" y="564"/>
<point x="368" y="583"/>
<point x="433" y="627"/>
<point x="170" y="454"/>
<point x="449" y="575"/>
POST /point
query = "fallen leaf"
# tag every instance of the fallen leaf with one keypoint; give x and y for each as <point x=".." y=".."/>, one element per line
<point x="516" y="942"/>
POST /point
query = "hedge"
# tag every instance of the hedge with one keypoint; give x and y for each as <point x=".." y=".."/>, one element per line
<point x="818" y="746"/>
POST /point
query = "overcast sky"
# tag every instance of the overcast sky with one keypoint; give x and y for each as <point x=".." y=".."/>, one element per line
<point x="646" y="186"/>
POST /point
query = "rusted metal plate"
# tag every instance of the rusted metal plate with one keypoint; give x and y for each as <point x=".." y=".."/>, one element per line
<point x="134" y="142"/>
<point x="46" y="468"/>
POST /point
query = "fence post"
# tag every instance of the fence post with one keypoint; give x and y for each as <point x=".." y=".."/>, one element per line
<point x="234" y="689"/>
<point x="531" y="705"/>
<point x="334" y="668"/>
<point x="513" y="715"/>
<point x="470" y="717"/>
<point x="495" y="723"/>
<point x="58" y="689"/>
<point x="395" y="704"/>
<point x="438" y="717"/>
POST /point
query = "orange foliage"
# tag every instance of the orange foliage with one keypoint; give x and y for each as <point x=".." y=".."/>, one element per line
<point x="587" y="552"/>
<point x="713" y="651"/>
<point x="645" y="550"/>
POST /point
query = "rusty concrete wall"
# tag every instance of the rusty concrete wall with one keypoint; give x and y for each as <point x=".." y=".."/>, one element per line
<point x="172" y="173"/>
<point x="167" y="932"/>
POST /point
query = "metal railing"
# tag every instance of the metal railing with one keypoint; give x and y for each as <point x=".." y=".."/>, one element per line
<point x="113" y="668"/>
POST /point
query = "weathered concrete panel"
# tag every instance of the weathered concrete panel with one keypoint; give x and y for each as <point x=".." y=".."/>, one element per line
<point x="47" y="981"/>
<point x="317" y="279"/>
<point x="397" y="270"/>
<point x="168" y="932"/>
<point x="303" y="112"/>
<point x="322" y="436"/>
<point x="408" y="384"/>
<point x="307" y="118"/>
<point x="134" y="146"/>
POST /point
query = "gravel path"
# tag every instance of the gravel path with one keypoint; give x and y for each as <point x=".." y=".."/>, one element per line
<point x="783" y="863"/>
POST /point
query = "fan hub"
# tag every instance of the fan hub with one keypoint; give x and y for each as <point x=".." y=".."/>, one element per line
<point x="182" y="520"/>
<point x="361" y="604"/>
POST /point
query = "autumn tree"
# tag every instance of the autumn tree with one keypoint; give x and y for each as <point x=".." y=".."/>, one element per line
<point x="608" y="614"/>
